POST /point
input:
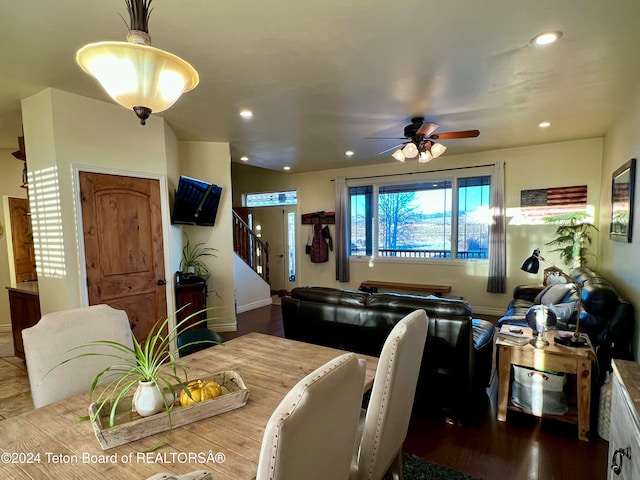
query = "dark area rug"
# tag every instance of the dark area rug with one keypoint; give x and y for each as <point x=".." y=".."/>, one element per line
<point x="416" y="468"/>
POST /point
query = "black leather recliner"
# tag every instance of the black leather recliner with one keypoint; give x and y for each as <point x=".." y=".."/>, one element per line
<point x="456" y="364"/>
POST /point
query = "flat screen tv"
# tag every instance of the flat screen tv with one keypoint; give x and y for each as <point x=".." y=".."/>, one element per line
<point x="196" y="202"/>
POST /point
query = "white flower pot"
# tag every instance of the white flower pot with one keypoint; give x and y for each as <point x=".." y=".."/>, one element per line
<point x="147" y="400"/>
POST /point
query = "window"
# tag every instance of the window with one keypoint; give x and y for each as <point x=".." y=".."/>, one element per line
<point x="271" y="199"/>
<point x="421" y="219"/>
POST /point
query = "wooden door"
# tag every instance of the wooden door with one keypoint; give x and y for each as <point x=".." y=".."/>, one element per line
<point x="22" y="240"/>
<point x="123" y="247"/>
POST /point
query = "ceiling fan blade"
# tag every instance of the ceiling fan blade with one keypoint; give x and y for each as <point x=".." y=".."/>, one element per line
<point x="427" y="128"/>
<point x="453" y="135"/>
<point x="392" y="148"/>
<point x="386" y="138"/>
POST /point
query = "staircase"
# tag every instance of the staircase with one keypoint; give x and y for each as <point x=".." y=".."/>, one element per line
<point x="250" y="248"/>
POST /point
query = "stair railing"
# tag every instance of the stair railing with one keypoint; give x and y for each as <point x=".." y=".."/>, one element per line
<point x="250" y="248"/>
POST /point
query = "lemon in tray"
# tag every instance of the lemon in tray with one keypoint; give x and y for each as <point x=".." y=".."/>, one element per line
<point x="199" y="391"/>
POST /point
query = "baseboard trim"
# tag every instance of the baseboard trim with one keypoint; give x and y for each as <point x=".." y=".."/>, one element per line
<point x="6" y="328"/>
<point x="224" y="327"/>
<point x="253" y="305"/>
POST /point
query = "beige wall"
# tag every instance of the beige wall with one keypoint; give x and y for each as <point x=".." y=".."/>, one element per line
<point x="554" y="165"/>
<point x="211" y="162"/>
<point x="620" y="262"/>
<point x="65" y="133"/>
<point x="10" y="182"/>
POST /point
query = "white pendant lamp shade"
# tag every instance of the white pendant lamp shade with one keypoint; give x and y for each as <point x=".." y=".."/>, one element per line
<point x="398" y="155"/>
<point x="136" y="75"/>
<point x="437" y="149"/>
<point x="410" y="150"/>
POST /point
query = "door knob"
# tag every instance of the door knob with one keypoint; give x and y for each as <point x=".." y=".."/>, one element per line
<point x="162" y="282"/>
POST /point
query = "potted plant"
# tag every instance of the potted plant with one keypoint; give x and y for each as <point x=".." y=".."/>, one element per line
<point x="193" y="258"/>
<point x="150" y="367"/>
<point x="572" y="237"/>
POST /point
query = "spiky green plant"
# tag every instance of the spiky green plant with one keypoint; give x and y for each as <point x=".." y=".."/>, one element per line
<point x="149" y="361"/>
<point x="192" y="256"/>
<point x="572" y="237"/>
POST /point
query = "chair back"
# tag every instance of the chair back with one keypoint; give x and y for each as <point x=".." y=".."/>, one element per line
<point x="48" y="343"/>
<point x="195" y="340"/>
<point x="311" y="434"/>
<point x="389" y="410"/>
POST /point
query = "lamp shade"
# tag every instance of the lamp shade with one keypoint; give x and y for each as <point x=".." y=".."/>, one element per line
<point x="437" y="149"/>
<point x="398" y="155"/>
<point x="531" y="264"/>
<point x="136" y="75"/>
<point x="410" y="150"/>
<point x="425" y="156"/>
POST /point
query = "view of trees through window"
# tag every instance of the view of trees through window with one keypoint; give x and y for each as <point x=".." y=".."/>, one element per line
<point x="416" y="220"/>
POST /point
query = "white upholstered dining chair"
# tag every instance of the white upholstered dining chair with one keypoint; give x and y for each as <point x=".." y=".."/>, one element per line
<point x="50" y="341"/>
<point x="311" y="434"/>
<point x="386" y="421"/>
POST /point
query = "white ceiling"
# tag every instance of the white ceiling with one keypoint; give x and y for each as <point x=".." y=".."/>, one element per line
<point x="321" y="75"/>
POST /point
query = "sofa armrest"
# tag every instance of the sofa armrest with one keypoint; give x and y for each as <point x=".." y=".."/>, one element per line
<point x="526" y="292"/>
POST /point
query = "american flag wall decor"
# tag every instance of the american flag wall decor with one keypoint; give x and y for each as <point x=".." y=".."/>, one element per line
<point x="543" y="197"/>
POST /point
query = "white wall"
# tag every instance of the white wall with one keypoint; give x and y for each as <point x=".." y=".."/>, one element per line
<point x="553" y="165"/>
<point x="10" y="182"/>
<point x="620" y="262"/>
<point x="251" y="290"/>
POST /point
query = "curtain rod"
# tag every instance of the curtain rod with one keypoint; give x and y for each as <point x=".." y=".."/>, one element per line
<point x="415" y="173"/>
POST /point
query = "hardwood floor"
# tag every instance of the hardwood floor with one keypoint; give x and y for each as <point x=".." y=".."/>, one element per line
<point x="523" y="448"/>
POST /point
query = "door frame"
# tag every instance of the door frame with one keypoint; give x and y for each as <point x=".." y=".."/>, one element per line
<point x="166" y="224"/>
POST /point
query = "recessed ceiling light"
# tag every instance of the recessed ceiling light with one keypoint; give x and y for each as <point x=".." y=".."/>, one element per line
<point x="349" y="153"/>
<point x="244" y="158"/>
<point x="246" y="113"/>
<point x="544" y="124"/>
<point x="546" y="38"/>
<point x="287" y="168"/>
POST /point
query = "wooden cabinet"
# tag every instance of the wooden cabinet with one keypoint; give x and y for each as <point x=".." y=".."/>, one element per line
<point x="25" y="313"/>
<point x="195" y="296"/>
<point x="624" y="443"/>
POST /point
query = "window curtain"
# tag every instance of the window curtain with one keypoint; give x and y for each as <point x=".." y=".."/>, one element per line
<point x="497" y="280"/>
<point x="342" y="230"/>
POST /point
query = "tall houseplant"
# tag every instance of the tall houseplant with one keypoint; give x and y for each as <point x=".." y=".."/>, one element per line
<point x="193" y="258"/>
<point x="573" y="237"/>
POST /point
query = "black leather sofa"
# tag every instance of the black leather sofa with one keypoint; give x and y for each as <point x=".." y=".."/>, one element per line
<point x="456" y="364"/>
<point x="607" y="318"/>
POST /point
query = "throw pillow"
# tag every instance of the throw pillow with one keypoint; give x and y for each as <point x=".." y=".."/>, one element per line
<point x="563" y="311"/>
<point x="555" y="293"/>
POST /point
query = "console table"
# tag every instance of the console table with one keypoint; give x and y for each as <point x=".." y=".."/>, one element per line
<point x="372" y="286"/>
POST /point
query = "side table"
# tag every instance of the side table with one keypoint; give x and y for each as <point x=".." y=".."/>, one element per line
<point x="576" y="361"/>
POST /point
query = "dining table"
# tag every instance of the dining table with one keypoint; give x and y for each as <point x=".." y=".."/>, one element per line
<point x="54" y="441"/>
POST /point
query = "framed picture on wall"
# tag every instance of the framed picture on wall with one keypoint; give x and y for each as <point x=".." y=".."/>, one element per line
<point x="622" y="189"/>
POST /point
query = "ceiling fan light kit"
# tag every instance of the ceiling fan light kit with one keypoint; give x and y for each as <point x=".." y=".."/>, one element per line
<point x="134" y="74"/>
<point x="420" y="141"/>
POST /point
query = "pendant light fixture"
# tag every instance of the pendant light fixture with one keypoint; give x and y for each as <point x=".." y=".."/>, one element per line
<point x="135" y="74"/>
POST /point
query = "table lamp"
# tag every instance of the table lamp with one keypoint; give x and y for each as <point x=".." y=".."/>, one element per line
<point x="532" y="265"/>
<point x="540" y="319"/>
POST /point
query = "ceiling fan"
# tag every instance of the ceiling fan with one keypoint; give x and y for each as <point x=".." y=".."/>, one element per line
<point x="419" y="141"/>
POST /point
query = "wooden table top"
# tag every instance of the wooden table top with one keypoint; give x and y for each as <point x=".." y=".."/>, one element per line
<point x="50" y="442"/>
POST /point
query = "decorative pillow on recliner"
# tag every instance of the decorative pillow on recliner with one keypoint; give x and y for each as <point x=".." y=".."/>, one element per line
<point x="553" y="293"/>
<point x="563" y="311"/>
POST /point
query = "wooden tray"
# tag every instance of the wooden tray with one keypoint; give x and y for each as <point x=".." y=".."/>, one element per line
<point x="130" y="426"/>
